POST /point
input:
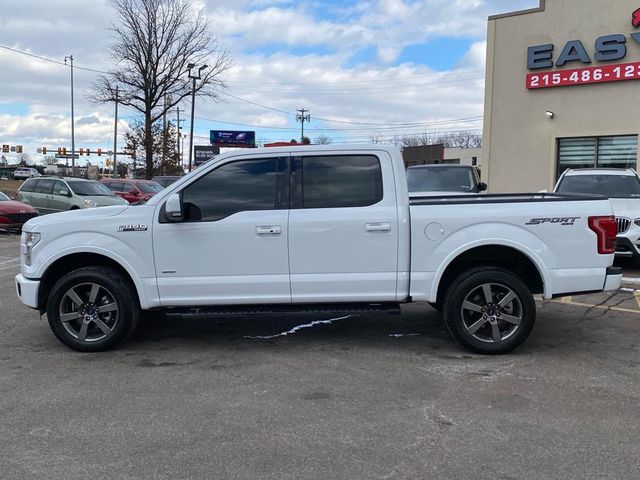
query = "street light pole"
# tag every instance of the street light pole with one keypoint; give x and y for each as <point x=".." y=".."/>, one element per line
<point x="73" y="136"/>
<point x="194" y="77"/>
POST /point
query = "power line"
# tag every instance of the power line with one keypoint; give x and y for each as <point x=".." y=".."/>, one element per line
<point x="51" y="60"/>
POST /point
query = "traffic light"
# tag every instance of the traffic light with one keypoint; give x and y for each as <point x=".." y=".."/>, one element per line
<point x="99" y="152"/>
<point x="18" y="148"/>
<point x="5" y="148"/>
<point x="108" y="163"/>
<point x="88" y="151"/>
<point x="59" y="150"/>
<point x="81" y="151"/>
<point x="44" y="150"/>
<point x="64" y="150"/>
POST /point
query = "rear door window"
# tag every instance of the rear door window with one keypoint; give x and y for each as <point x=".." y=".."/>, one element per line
<point x="337" y="181"/>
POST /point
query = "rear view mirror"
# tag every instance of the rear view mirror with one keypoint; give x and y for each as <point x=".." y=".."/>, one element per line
<point x="482" y="187"/>
<point x="173" y="208"/>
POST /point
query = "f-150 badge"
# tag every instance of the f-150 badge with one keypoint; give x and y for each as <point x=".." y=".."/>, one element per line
<point x="132" y="228"/>
<point x="565" y="221"/>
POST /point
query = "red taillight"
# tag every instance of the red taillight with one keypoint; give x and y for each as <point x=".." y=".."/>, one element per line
<point x="606" y="229"/>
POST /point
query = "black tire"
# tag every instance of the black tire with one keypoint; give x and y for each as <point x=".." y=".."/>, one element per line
<point x="474" y="323"/>
<point x="103" y="330"/>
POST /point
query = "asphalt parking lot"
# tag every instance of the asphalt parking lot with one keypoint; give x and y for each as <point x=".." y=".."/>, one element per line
<point x="363" y="397"/>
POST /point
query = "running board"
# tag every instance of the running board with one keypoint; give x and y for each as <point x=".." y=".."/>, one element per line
<point x="302" y="309"/>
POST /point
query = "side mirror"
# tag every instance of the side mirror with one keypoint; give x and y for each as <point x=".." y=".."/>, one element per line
<point x="482" y="187"/>
<point x="173" y="208"/>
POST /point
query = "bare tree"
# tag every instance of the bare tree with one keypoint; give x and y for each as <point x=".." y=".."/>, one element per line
<point x="323" y="140"/>
<point x="24" y="158"/>
<point x="460" y="139"/>
<point x="157" y="41"/>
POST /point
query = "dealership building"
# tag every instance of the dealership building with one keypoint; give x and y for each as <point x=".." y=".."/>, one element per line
<point x="562" y="91"/>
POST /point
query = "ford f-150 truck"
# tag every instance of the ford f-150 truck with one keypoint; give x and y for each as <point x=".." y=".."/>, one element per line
<point x="319" y="228"/>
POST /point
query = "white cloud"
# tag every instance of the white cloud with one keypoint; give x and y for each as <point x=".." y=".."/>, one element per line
<point x="328" y="83"/>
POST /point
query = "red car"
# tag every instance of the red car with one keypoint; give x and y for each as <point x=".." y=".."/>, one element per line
<point x="132" y="191"/>
<point x="14" y="214"/>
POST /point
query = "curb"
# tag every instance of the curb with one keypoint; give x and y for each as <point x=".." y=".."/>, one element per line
<point x="631" y="282"/>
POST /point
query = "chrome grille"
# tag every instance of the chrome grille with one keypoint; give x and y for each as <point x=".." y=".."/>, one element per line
<point x="623" y="224"/>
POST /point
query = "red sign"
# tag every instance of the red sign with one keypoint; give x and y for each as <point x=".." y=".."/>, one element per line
<point x="584" y="76"/>
<point x="635" y="18"/>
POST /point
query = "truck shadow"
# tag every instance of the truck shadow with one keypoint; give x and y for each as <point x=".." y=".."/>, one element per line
<point x="424" y="327"/>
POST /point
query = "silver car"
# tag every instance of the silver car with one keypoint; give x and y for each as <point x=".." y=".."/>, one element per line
<point x="52" y="194"/>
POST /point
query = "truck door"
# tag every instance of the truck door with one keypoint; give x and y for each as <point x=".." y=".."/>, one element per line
<point x="343" y="228"/>
<point x="231" y="247"/>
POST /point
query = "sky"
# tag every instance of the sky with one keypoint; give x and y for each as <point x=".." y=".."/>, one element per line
<point x="364" y="68"/>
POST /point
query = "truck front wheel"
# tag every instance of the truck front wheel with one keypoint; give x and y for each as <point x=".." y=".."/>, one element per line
<point x="91" y="309"/>
<point x="489" y="310"/>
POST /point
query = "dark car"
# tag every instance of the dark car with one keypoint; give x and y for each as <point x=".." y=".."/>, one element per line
<point x="133" y="191"/>
<point x="166" y="180"/>
<point x="14" y="214"/>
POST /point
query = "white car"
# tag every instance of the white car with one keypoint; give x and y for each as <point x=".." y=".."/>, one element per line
<point x="622" y="187"/>
<point x="25" y="172"/>
<point x="443" y="180"/>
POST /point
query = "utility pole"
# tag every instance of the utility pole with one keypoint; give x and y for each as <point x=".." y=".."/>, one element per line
<point x="195" y="77"/>
<point x="115" y="136"/>
<point x="303" y="115"/>
<point x="73" y="136"/>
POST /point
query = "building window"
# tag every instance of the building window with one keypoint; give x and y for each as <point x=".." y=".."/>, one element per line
<point x="474" y="161"/>
<point x="594" y="152"/>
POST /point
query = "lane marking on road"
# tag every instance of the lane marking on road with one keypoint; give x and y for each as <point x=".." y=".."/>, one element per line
<point x="636" y="294"/>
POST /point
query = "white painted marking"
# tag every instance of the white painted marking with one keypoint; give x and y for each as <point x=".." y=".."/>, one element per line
<point x="300" y="327"/>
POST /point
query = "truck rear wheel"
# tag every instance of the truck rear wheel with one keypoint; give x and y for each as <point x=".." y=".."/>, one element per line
<point x="489" y="310"/>
<point x="91" y="309"/>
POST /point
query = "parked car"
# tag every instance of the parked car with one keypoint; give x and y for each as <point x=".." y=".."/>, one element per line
<point x="328" y="228"/>
<point x="165" y="181"/>
<point x="434" y="180"/>
<point x="25" y="172"/>
<point x="622" y="187"/>
<point x="133" y="191"/>
<point x="14" y="214"/>
<point x="53" y="194"/>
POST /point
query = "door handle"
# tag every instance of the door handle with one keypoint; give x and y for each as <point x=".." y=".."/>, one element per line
<point x="378" y="227"/>
<point x="268" y="230"/>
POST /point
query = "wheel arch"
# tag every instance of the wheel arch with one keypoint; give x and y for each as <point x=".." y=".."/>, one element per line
<point x="515" y="259"/>
<point x="73" y="261"/>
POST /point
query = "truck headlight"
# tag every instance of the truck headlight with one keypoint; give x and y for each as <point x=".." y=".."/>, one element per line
<point x="91" y="203"/>
<point x="30" y="239"/>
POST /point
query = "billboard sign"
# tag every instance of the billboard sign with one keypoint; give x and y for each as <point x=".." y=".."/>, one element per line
<point x="233" y="138"/>
<point x="203" y="153"/>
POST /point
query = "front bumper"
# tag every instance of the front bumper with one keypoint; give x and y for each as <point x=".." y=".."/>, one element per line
<point x="613" y="280"/>
<point x="27" y="290"/>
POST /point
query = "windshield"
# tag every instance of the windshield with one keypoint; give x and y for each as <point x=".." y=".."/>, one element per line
<point x="612" y="186"/>
<point x="3" y="197"/>
<point x="441" y="179"/>
<point x="149" y="187"/>
<point x="90" y="189"/>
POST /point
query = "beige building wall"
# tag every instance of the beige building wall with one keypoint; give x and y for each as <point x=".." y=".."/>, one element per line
<point x="519" y="138"/>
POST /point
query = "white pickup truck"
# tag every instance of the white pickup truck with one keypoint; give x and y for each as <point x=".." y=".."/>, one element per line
<point x="310" y="229"/>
